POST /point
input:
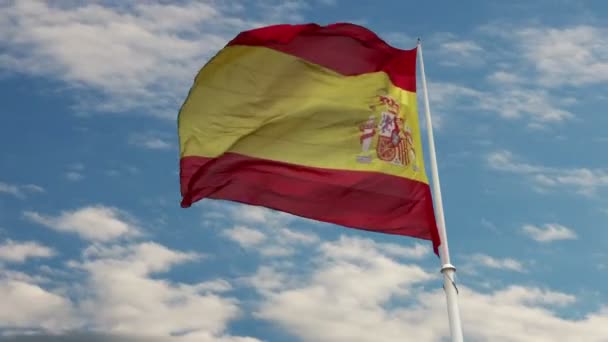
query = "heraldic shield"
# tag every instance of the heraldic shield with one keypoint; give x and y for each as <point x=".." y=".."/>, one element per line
<point x="394" y="143"/>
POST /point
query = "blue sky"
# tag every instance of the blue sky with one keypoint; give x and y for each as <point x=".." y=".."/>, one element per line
<point x="93" y="241"/>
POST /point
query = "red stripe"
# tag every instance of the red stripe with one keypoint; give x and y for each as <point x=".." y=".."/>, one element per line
<point x="343" y="47"/>
<point x="362" y="200"/>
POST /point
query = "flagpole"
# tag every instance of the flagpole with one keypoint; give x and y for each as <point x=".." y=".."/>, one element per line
<point x="447" y="269"/>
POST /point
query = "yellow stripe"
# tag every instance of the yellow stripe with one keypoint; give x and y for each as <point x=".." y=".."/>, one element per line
<point x="263" y="103"/>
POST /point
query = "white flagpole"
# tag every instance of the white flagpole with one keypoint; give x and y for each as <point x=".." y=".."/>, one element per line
<point x="447" y="269"/>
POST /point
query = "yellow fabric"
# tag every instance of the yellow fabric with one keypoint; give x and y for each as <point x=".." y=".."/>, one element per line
<point x="262" y="103"/>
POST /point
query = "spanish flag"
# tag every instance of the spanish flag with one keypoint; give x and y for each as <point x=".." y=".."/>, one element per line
<point x="317" y="121"/>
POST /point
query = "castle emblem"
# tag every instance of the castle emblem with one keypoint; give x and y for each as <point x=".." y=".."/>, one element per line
<point x="393" y="138"/>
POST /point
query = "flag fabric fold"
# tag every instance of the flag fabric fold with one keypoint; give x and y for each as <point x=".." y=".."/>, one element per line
<point x="317" y="121"/>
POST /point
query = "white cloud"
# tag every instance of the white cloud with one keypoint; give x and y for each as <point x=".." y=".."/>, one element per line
<point x="505" y="161"/>
<point x="349" y="289"/>
<point x="549" y="232"/>
<point x="20" y="251"/>
<point x="74" y="176"/>
<point x="75" y="172"/>
<point x="150" y="140"/>
<point x="443" y="94"/>
<point x="12" y="275"/>
<point x="267" y="279"/>
<point x="525" y="77"/>
<point x="585" y="181"/>
<point x="463" y="48"/>
<point x="26" y="306"/>
<point x="270" y="250"/>
<point x="343" y="299"/>
<point x="360" y="294"/>
<point x="290" y="236"/>
<point x="460" y="53"/>
<point x="536" y="296"/>
<point x="491" y="262"/>
<point x="551" y="57"/>
<point x="124" y="298"/>
<point x="418" y="251"/>
<point x="33" y="188"/>
<point x="536" y="106"/>
<point x="214" y="286"/>
<point x="251" y="214"/>
<point x="271" y="238"/>
<point x="134" y="55"/>
<point x="124" y="293"/>
<point x="489" y="224"/>
<point x="355" y="248"/>
<point x="11" y="189"/>
<point x="95" y="223"/>
<point x="273" y="242"/>
<point x="503" y="77"/>
<point x="244" y="236"/>
<point x="20" y="191"/>
<point x="144" y="258"/>
<point x="576" y="55"/>
<point x="119" y="52"/>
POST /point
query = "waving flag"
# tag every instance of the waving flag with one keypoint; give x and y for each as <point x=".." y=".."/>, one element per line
<point x="317" y="121"/>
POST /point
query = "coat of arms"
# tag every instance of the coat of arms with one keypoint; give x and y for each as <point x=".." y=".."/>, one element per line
<point x="394" y="141"/>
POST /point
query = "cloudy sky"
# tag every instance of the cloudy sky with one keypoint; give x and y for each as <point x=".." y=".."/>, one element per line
<point x="93" y="241"/>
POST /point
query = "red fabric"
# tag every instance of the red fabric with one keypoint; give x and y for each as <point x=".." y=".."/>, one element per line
<point x="362" y="200"/>
<point x="345" y="48"/>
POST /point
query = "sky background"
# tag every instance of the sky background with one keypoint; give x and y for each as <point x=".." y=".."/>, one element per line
<point x="93" y="242"/>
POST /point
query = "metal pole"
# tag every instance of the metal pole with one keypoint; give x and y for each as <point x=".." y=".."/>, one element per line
<point x="447" y="269"/>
